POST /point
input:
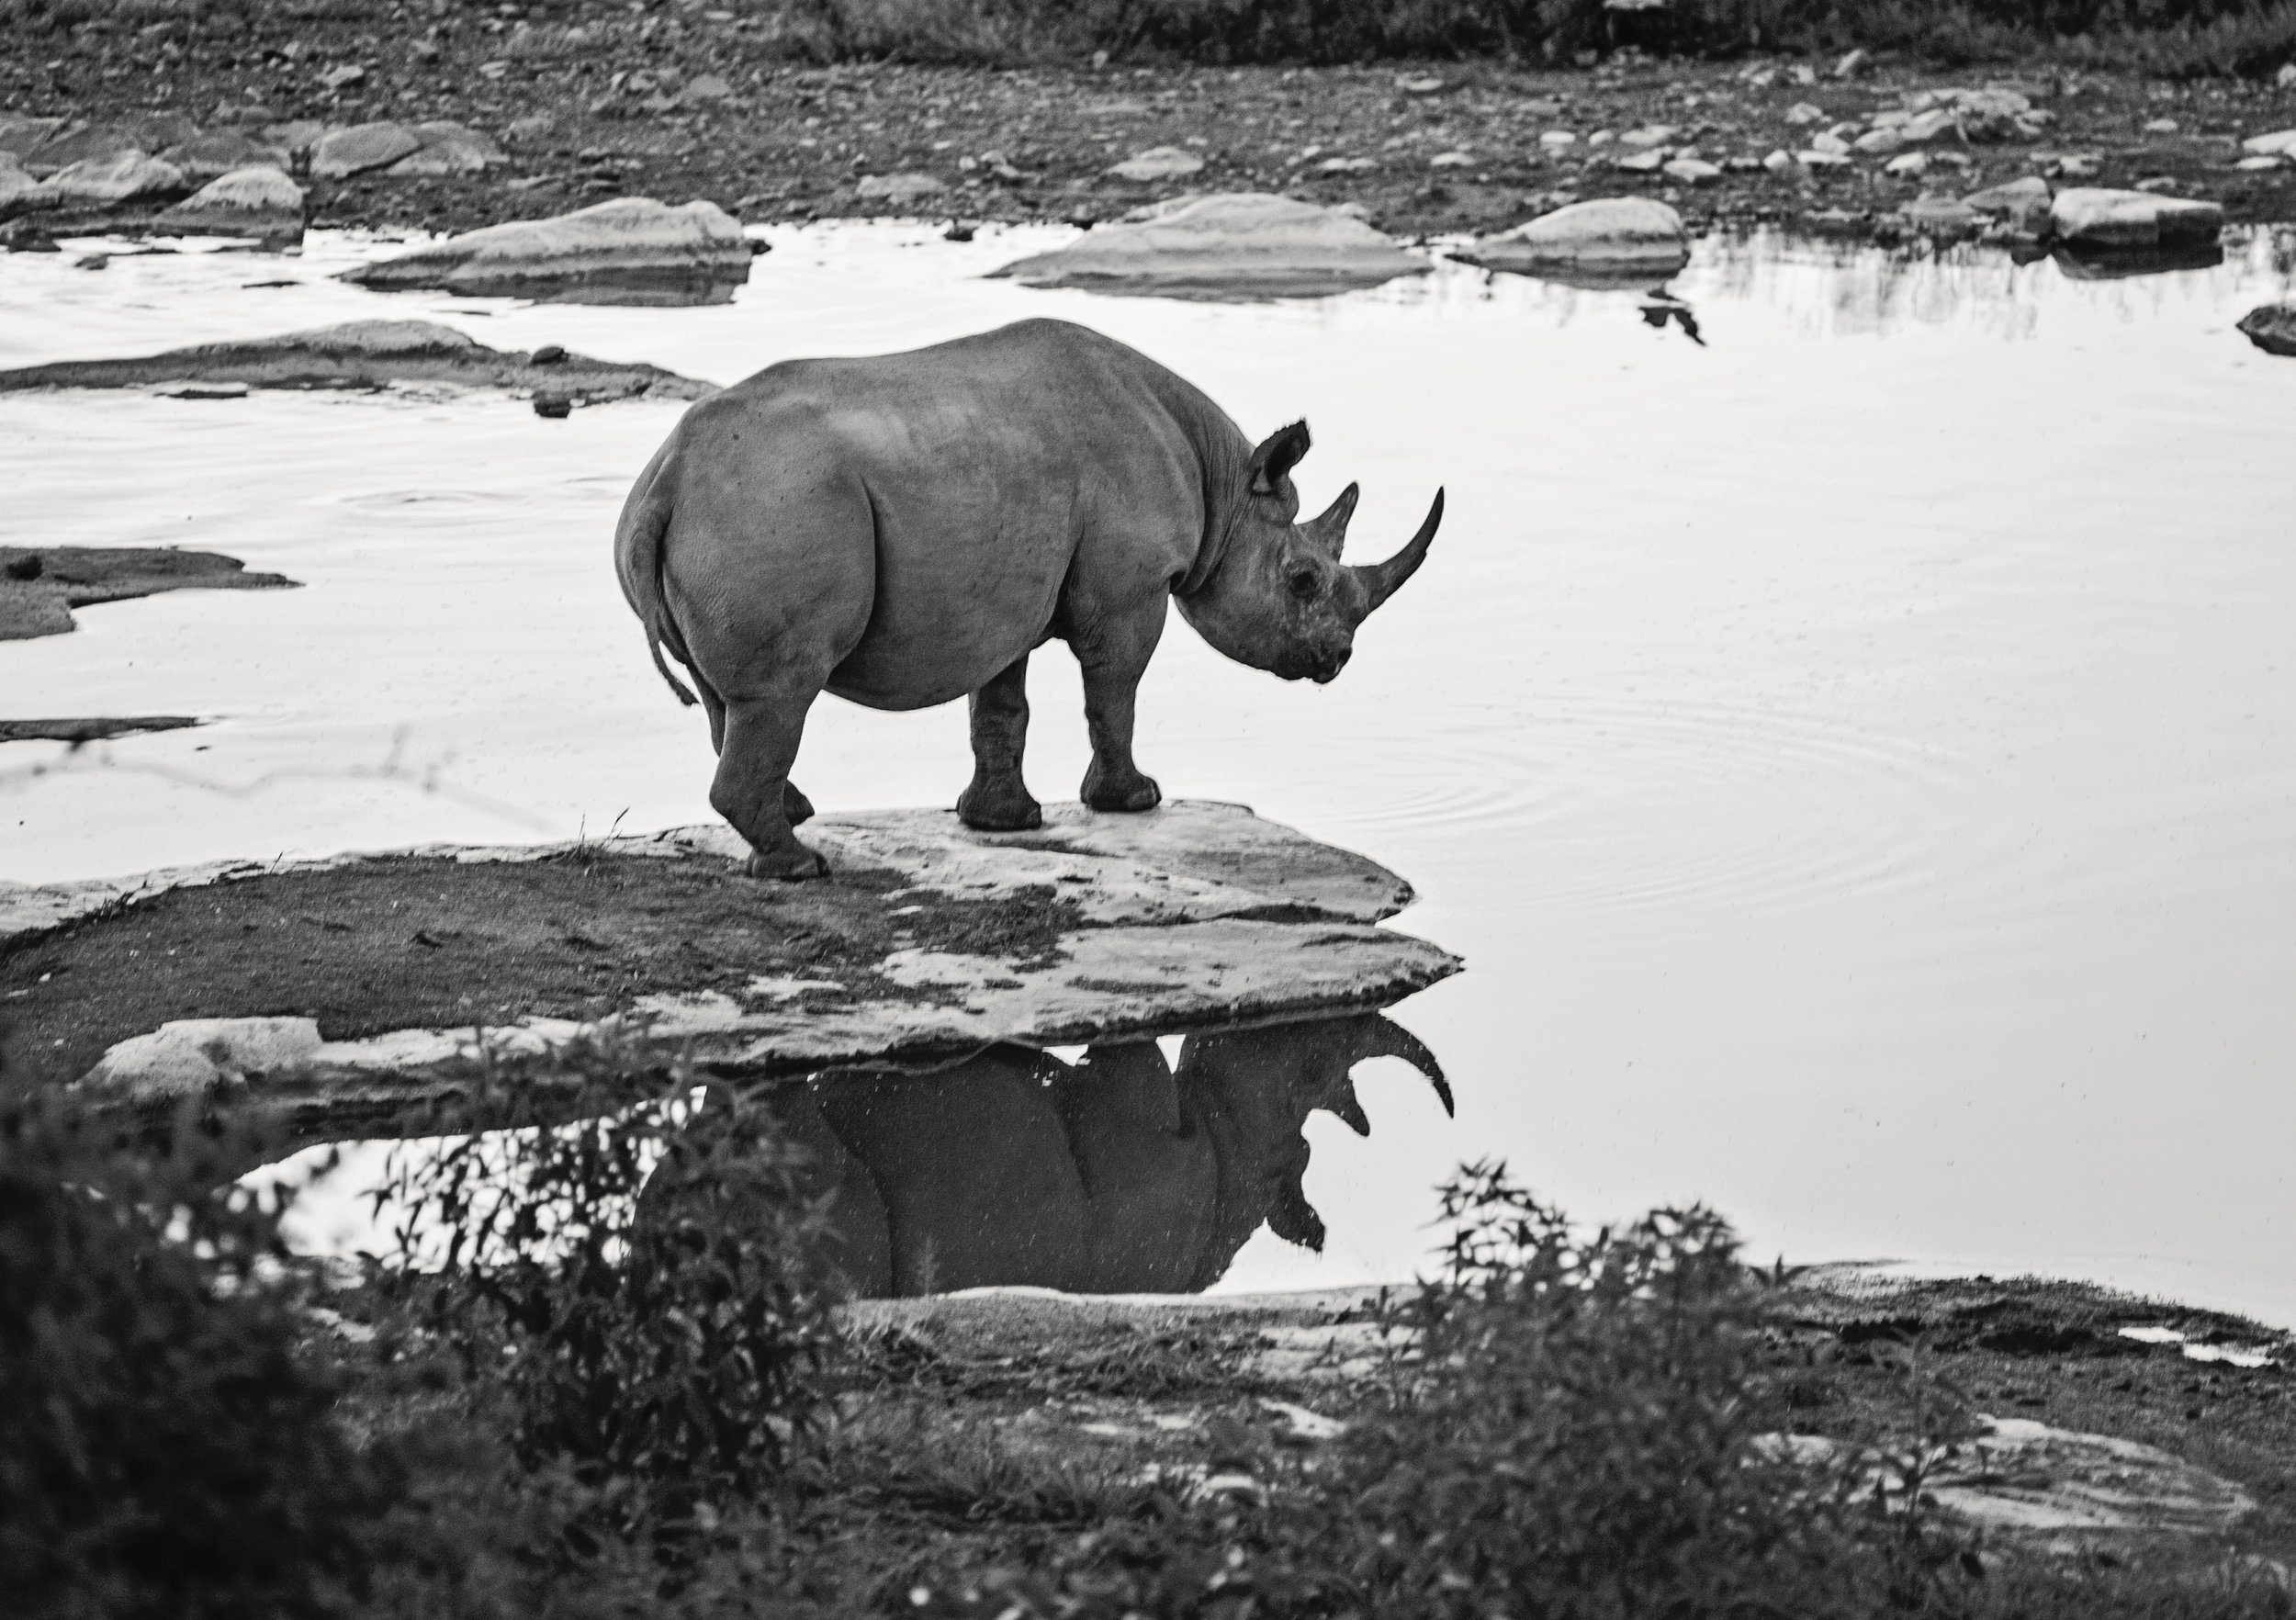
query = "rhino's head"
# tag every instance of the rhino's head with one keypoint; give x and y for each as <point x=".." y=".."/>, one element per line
<point x="1279" y="599"/>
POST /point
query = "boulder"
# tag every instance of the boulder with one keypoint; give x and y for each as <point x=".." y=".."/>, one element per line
<point x="899" y="189"/>
<point x="1609" y="239"/>
<point x="632" y="249"/>
<point x="368" y="355"/>
<point x="704" y="89"/>
<point x="1231" y="244"/>
<point x="2098" y="216"/>
<point x="450" y="149"/>
<point x="2022" y="205"/>
<point x="341" y="152"/>
<point x="1158" y="163"/>
<point x="1093" y="927"/>
<point x="219" y="152"/>
<point x="2272" y="328"/>
<point x="126" y="179"/>
<point x="2280" y="143"/>
<point x="21" y="134"/>
<point x="80" y="144"/>
<point x="261" y="202"/>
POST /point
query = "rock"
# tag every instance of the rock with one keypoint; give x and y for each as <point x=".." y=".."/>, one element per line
<point x="341" y="152"/>
<point x="1193" y="914"/>
<point x="200" y="390"/>
<point x="2286" y="77"/>
<point x="449" y="149"/>
<point x="1938" y="124"/>
<point x="704" y="88"/>
<point x="219" y="152"/>
<point x="1231" y="244"/>
<point x="1853" y="64"/>
<point x="344" y="77"/>
<point x="13" y="181"/>
<point x="1802" y="112"/>
<point x="1942" y="216"/>
<point x="80" y="144"/>
<point x="260" y="202"/>
<point x="1832" y="145"/>
<point x="1554" y="139"/>
<point x="1779" y="160"/>
<point x="123" y="180"/>
<point x="632" y="249"/>
<point x="1877" y="142"/>
<point x="2160" y="126"/>
<point x="41" y="585"/>
<point x="1613" y="238"/>
<point x="1450" y="159"/>
<point x="21" y="134"/>
<point x="1818" y="159"/>
<point x="365" y="354"/>
<point x="1347" y="165"/>
<point x="2259" y="164"/>
<point x="2272" y="328"/>
<point x="1648" y="135"/>
<point x="1421" y="85"/>
<point x="531" y="130"/>
<point x="2022" y="205"/>
<point x="2096" y="217"/>
<point x="1694" y="170"/>
<point x="1643" y="163"/>
<point x="899" y="189"/>
<point x="1907" y="164"/>
<point x="1158" y="163"/>
<point x="2280" y="143"/>
<point x="298" y="135"/>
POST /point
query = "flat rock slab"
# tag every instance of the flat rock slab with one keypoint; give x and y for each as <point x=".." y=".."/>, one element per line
<point x="338" y="993"/>
<point x="370" y="354"/>
<point x="1236" y="245"/>
<point x="1601" y="242"/>
<point x="82" y="731"/>
<point x="39" y="586"/>
<point x="632" y="249"/>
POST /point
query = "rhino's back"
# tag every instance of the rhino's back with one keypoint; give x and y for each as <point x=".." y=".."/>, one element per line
<point x="984" y="464"/>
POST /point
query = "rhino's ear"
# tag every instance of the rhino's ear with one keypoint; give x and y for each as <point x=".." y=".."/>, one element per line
<point x="1277" y="455"/>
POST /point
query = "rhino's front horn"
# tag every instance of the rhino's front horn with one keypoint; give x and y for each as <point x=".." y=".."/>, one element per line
<point x="1382" y="580"/>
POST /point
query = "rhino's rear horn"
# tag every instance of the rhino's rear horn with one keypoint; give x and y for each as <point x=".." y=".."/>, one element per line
<point x="1382" y="580"/>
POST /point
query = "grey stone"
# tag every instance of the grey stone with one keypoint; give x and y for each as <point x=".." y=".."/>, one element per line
<point x="79" y="143"/>
<point x="13" y="181"/>
<point x="21" y="134"/>
<point x="1158" y="163"/>
<point x="219" y="152"/>
<point x="632" y="249"/>
<point x="1627" y="238"/>
<point x="342" y="152"/>
<point x="2272" y="328"/>
<point x="1942" y="216"/>
<point x="123" y="180"/>
<point x="2098" y="216"/>
<point x="704" y="88"/>
<point x="298" y="135"/>
<point x="2280" y="143"/>
<point x="2023" y="205"/>
<point x="261" y="202"/>
<point x="1231" y="244"/>
<point x="1694" y="171"/>
<point x="899" y="188"/>
<point x="450" y="149"/>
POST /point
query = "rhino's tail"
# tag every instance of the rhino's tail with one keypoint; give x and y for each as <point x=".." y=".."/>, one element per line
<point x="637" y="560"/>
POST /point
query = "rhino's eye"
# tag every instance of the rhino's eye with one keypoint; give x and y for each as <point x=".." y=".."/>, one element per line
<point x="1303" y="584"/>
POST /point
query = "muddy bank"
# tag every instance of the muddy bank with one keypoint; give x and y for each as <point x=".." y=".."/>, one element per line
<point x="39" y="586"/>
<point x="366" y="354"/>
<point x="593" y="102"/>
<point x="337" y="993"/>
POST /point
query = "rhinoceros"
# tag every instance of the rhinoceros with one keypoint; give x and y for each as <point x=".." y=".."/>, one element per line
<point x="1116" y="1176"/>
<point x="905" y="529"/>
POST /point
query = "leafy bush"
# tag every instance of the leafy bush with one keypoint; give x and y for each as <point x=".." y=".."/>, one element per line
<point x="163" y="1451"/>
<point x="645" y="1284"/>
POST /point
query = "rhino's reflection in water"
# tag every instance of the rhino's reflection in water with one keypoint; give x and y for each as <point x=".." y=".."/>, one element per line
<point x="1119" y="1174"/>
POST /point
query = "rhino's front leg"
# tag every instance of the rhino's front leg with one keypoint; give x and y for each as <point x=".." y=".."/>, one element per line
<point x="1113" y="663"/>
<point x="998" y="800"/>
<point x="752" y="789"/>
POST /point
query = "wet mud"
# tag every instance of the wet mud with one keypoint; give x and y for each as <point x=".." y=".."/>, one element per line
<point x="39" y="586"/>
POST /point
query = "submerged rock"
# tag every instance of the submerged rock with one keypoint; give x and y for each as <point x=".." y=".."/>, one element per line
<point x="1235" y="244"/>
<point x="258" y="202"/>
<point x="39" y="586"/>
<point x="368" y="355"/>
<point x="342" y="152"/>
<point x="632" y="249"/>
<point x="1608" y="240"/>
<point x="941" y="942"/>
<point x="2272" y="328"/>
<point x="2099" y="217"/>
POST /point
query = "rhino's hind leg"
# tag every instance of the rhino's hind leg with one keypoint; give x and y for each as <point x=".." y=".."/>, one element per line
<point x="998" y="800"/>
<point x="752" y="789"/>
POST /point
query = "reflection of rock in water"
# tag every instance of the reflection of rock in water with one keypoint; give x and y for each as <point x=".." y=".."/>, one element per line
<point x="1659" y="308"/>
<point x="1118" y="1175"/>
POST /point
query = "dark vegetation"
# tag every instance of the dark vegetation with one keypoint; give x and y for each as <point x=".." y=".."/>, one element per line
<point x="2163" y="36"/>
<point x="614" y="1383"/>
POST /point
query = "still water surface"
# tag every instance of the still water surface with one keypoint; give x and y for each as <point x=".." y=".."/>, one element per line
<point x="1856" y="755"/>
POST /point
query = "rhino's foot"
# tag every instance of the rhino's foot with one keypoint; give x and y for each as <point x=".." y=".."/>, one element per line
<point x="1127" y="794"/>
<point x="794" y="804"/>
<point x="998" y="807"/>
<point x="792" y="864"/>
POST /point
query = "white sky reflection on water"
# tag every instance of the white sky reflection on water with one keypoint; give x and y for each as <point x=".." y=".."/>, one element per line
<point x="1855" y="756"/>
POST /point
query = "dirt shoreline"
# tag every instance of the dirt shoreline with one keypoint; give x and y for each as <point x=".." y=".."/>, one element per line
<point x="691" y="104"/>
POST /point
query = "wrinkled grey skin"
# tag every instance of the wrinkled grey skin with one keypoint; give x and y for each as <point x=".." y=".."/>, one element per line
<point x="904" y="529"/>
<point x="1118" y="1175"/>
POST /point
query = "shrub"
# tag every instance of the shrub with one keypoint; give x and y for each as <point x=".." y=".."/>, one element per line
<point x="646" y="1284"/>
<point x="163" y="1451"/>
